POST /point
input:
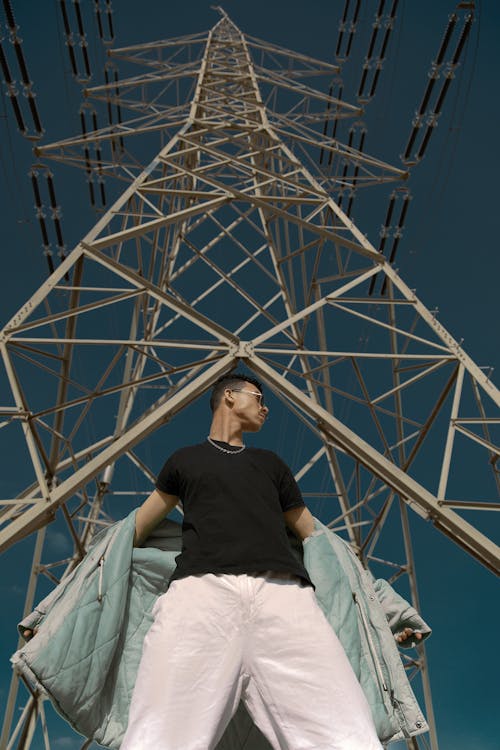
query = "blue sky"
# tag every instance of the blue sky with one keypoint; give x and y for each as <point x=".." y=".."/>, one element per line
<point x="448" y="253"/>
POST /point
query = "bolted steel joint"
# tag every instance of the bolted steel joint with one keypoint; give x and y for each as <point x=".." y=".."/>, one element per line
<point x="242" y="350"/>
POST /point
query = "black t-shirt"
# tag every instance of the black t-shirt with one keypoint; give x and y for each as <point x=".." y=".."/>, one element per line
<point x="233" y="510"/>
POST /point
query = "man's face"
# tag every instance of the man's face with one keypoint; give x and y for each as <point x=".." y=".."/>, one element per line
<point x="248" y="406"/>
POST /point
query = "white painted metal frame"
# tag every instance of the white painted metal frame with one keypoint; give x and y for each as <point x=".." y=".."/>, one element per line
<point x="228" y="231"/>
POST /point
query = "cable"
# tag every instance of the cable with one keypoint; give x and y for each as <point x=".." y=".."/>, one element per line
<point x="436" y="193"/>
<point x="26" y="81"/>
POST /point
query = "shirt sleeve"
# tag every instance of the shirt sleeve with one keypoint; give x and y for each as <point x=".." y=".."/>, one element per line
<point x="168" y="478"/>
<point x="290" y="495"/>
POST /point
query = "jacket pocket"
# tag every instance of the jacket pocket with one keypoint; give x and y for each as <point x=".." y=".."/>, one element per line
<point x="99" y="585"/>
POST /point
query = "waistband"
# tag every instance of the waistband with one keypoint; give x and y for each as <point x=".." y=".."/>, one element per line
<point x="280" y="574"/>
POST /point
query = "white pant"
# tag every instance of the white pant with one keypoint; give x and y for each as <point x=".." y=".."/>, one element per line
<point x="218" y="638"/>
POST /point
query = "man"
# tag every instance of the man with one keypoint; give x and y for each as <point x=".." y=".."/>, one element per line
<point x="240" y="618"/>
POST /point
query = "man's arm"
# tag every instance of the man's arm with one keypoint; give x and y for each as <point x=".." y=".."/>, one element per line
<point x="151" y="512"/>
<point x="300" y="521"/>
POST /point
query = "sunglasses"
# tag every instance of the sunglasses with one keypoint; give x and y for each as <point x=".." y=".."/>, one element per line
<point x="257" y="394"/>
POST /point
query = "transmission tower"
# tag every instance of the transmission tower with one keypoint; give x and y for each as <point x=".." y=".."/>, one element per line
<point x="229" y="246"/>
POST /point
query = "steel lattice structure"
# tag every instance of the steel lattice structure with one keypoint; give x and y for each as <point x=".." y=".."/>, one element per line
<point x="231" y="246"/>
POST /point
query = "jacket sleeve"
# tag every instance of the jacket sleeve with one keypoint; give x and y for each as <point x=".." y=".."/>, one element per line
<point x="35" y="618"/>
<point x="399" y="613"/>
<point x="31" y="621"/>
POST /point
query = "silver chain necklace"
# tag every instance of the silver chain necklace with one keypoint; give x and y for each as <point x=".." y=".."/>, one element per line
<point x="224" y="450"/>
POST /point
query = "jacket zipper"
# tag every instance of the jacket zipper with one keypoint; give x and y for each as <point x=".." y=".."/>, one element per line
<point x="394" y="704"/>
<point x="388" y="702"/>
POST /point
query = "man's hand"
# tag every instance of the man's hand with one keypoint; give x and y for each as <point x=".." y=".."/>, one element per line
<point x="28" y="633"/>
<point x="403" y="635"/>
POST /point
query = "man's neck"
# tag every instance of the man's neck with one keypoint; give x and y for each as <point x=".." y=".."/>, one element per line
<point x="223" y="430"/>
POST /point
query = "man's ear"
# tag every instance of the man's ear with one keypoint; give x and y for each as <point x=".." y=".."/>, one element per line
<point x="228" y="395"/>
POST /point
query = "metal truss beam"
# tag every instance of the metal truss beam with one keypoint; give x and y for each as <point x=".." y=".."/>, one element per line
<point x="230" y="234"/>
<point x="413" y="493"/>
<point x="44" y="510"/>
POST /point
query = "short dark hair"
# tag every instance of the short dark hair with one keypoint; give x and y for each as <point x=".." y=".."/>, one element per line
<point x="230" y="380"/>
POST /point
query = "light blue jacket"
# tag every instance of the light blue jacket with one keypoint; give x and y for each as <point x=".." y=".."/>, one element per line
<point x="86" y="652"/>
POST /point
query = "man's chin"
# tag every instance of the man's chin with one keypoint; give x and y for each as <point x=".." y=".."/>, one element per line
<point x="254" y="427"/>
